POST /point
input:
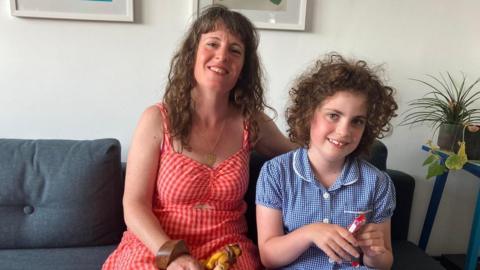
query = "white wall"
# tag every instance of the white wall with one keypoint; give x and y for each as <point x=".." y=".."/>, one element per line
<point x="85" y="80"/>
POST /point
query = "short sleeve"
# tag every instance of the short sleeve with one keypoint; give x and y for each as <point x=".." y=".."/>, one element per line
<point x="384" y="203"/>
<point x="269" y="190"/>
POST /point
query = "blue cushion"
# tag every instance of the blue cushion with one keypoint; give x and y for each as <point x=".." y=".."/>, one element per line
<point x="60" y="193"/>
<point x="82" y="258"/>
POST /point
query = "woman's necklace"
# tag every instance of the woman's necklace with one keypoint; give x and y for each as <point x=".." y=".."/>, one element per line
<point x="210" y="157"/>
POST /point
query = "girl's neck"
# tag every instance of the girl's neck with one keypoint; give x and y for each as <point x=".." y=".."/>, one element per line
<point x="325" y="171"/>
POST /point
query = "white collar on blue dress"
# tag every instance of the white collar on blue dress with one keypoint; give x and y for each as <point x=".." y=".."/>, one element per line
<point x="302" y="167"/>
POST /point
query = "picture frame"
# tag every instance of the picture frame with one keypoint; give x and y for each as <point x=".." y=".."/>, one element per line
<point x="265" y="14"/>
<point x="95" y="10"/>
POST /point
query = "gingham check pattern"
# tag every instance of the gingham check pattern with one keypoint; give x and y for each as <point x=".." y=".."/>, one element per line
<point x="287" y="183"/>
<point x="202" y="205"/>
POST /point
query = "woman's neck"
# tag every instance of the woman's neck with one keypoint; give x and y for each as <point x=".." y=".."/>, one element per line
<point x="210" y="108"/>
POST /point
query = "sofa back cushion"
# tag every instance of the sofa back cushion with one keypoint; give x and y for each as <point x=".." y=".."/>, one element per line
<point x="60" y="193"/>
<point x="378" y="155"/>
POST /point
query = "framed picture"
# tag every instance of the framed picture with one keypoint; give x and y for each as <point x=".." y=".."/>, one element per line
<point x="265" y="14"/>
<point x="97" y="10"/>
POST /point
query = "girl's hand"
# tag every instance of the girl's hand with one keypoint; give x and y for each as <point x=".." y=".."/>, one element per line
<point x="337" y="242"/>
<point x="185" y="262"/>
<point x="371" y="240"/>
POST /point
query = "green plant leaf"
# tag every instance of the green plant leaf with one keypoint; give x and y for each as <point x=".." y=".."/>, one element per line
<point x="430" y="159"/>
<point x="435" y="169"/>
<point x="461" y="151"/>
<point x="276" y="2"/>
<point x="433" y="148"/>
<point x="456" y="161"/>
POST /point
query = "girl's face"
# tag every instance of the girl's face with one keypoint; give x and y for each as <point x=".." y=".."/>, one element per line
<point x="337" y="126"/>
<point x="219" y="60"/>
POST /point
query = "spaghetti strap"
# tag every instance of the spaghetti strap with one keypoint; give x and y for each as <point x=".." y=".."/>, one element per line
<point x="246" y="135"/>
<point x="167" y="142"/>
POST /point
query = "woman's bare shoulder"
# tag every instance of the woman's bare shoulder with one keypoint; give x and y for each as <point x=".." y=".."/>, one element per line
<point x="262" y="117"/>
<point x="151" y="120"/>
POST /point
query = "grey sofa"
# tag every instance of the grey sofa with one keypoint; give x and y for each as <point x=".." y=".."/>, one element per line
<point x="60" y="205"/>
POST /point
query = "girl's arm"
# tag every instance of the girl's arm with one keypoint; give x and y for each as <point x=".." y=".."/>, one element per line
<point x="375" y="241"/>
<point x="271" y="142"/>
<point x="278" y="249"/>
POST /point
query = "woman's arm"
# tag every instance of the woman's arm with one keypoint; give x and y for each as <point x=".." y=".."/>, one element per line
<point x="271" y="142"/>
<point x="142" y="168"/>
<point x="141" y="176"/>
<point x="278" y="249"/>
<point x="375" y="241"/>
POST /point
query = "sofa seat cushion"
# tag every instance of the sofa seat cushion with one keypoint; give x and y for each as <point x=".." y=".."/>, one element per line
<point x="82" y="258"/>
<point x="60" y="193"/>
<point x="407" y="255"/>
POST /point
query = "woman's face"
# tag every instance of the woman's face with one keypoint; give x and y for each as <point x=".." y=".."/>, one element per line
<point x="219" y="60"/>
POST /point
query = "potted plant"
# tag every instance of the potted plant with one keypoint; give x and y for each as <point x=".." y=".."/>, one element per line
<point x="451" y="108"/>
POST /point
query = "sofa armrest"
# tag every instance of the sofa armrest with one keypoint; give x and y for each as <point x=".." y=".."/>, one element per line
<point x="404" y="187"/>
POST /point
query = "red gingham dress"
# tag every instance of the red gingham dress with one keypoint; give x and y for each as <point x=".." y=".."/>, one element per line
<point x="197" y="203"/>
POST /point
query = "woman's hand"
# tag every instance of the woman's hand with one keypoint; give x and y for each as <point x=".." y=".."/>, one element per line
<point x="185" y="262"/>
<point x="371" y="240"/>
<point x="337" y="242"/>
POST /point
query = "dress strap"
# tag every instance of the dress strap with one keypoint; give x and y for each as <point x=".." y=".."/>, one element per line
<point x="167" y="140"/>
<point x="246" y="135"/>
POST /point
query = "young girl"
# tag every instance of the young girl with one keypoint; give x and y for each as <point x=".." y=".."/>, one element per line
<point x="306" y="199"/>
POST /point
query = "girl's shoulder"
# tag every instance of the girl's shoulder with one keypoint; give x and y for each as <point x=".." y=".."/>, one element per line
<point x="285" y="164"/>
<point x="369" y="171"/>
<point x="285" y="158"/>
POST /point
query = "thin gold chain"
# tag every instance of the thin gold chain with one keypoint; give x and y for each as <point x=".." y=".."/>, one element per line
<point x="210" y="157"/>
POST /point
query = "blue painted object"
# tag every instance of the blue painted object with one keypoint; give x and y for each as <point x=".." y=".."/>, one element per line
<point x="474" y="242"/>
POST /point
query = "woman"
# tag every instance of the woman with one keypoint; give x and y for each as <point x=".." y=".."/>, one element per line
<point x="188" y="163"/>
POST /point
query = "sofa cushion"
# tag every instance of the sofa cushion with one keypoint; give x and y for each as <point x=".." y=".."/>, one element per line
<point x="407" y="255"/>
<point x="60" y="193"/>
<point x="378" y="155"/>
<point x="81" y="258"/>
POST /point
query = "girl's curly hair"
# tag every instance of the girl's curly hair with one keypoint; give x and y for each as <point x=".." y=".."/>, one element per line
<point x="329" y="76"/>
<point x="248" y="93"/>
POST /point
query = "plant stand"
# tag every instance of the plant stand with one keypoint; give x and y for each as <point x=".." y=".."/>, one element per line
<point x="474" y="242"/>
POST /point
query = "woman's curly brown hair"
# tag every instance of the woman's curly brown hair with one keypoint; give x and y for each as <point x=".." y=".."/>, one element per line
<point x="247" y="95"/>
<point x="325" y="79"/>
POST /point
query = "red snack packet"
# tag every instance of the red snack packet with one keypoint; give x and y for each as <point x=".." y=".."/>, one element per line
<point x="354" y="227"/>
